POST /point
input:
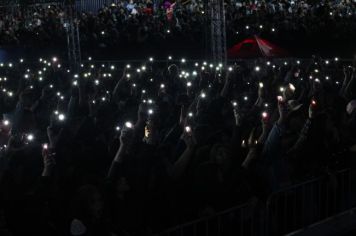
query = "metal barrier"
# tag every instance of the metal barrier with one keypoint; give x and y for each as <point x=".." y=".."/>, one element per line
<point x="92" y="5"/>
<point x="240" y="220"/>
<point x="286" y="210"/>
<point x="307" y="203"/>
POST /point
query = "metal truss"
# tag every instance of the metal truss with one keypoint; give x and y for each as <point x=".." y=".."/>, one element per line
<point x="216" y="21"/>
<point x="73" y="37"/>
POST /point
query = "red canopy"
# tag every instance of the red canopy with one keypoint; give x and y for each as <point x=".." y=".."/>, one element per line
<point x="255" y="47"/>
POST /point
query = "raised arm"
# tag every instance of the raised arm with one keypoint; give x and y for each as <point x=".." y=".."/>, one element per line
<point x="181" y="165"/>
<point x="125" y="141"/>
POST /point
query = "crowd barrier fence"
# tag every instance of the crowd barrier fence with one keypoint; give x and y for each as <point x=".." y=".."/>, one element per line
<point x="286" y="210"/>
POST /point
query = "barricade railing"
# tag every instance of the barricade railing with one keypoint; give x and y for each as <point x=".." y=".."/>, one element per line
<point x="92" y="5"/>
<point x="240" y="220"/>
<point x="307" y="203"/>
<point x="286" y="210"/>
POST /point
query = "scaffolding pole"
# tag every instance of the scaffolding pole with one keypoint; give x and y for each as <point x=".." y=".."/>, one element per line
<point x="217" y="30"/>
<point x="73" y="36"/>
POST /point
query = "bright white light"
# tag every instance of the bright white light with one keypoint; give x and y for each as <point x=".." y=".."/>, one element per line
<point x="61" y="117"/>
<point x="203" y="95"/>
<point x="128" y="124"/>
<point x="6" y="122"/>
<point x="188" y="129"/>
<point x="257" y="68"/>
<point x="150" y="111"/>
<point x="30" y="137"/>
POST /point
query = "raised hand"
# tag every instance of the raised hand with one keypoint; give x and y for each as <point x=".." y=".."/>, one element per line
<point x="189" y="138"/>
<point x="49" y="161"/>
<point x="312" y="108"/>
<point x="126" y="137"/>
<point x="282" y="109"/>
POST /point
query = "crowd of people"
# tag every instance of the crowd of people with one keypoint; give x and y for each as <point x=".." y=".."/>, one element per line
<point x="168" y="27"/>
<point x="133" y="149"/>
<point x="137" y="147"/>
